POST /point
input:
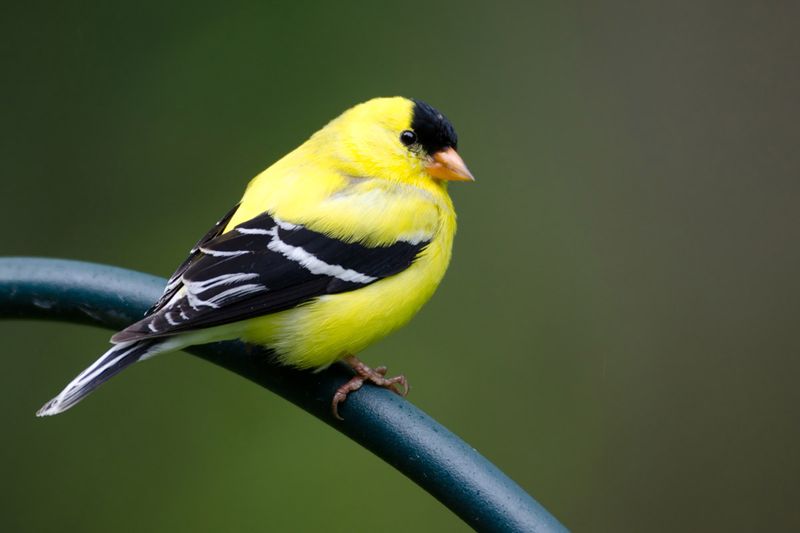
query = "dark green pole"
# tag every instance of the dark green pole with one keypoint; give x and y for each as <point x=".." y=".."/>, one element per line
<point x="384" y="423"/>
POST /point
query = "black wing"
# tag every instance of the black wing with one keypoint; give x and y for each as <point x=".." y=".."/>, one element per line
<point x="263" y="266"/>
<point x="174" y="283"/>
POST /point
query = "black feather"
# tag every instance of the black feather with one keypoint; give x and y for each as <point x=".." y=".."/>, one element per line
<point x="378" y="262"/>
<point x="215" y="231"/>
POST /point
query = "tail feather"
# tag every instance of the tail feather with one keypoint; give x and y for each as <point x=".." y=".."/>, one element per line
<point x="119" y="357"/>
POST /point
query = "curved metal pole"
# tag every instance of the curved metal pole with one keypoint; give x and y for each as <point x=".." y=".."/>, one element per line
<point x="384" y="423"/>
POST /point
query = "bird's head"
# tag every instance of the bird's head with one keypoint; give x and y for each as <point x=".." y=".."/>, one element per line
<point x="397" y="139"/>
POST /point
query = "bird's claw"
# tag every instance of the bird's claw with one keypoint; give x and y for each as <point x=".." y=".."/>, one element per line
<point x="353" y="385"/>
<point x="397" y="384"/>
<point x="398" y="380"/>
<point x="390" y="383"/>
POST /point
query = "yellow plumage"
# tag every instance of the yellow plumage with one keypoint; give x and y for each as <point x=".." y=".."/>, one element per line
<point x="368" y="189"/>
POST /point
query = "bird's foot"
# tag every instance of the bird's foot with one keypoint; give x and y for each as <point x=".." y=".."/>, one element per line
<point x="376" y="376"/>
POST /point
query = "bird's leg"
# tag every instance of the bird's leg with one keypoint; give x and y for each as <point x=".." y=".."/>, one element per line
<point x="363" y="374"/>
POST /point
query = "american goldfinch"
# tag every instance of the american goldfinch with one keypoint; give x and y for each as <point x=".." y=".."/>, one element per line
<point x="332" y="247"/>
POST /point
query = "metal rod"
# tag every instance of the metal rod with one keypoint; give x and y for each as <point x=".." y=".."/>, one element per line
<point x="384" y="423"/>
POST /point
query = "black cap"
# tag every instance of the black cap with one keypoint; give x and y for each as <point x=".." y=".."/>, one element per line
<point x="434" y="131"/>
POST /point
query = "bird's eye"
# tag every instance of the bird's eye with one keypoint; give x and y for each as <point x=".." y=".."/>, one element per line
<point x="408" y="137"/>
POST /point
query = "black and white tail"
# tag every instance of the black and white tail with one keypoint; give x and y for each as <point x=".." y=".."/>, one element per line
<point x="119" y="357"/>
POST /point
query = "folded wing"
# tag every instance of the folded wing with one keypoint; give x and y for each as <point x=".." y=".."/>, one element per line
<point x="263" y="266"/>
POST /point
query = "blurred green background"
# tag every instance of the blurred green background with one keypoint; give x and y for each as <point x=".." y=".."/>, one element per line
<point x="618" y="330"/>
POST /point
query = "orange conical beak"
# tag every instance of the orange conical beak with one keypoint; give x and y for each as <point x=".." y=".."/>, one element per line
<point x="447" y="165"/>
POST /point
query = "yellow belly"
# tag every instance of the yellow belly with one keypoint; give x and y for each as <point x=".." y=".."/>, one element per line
<point x="330" y="327"/>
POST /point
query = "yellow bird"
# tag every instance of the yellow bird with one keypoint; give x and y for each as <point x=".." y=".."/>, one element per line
<point x="334" y="246"/>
